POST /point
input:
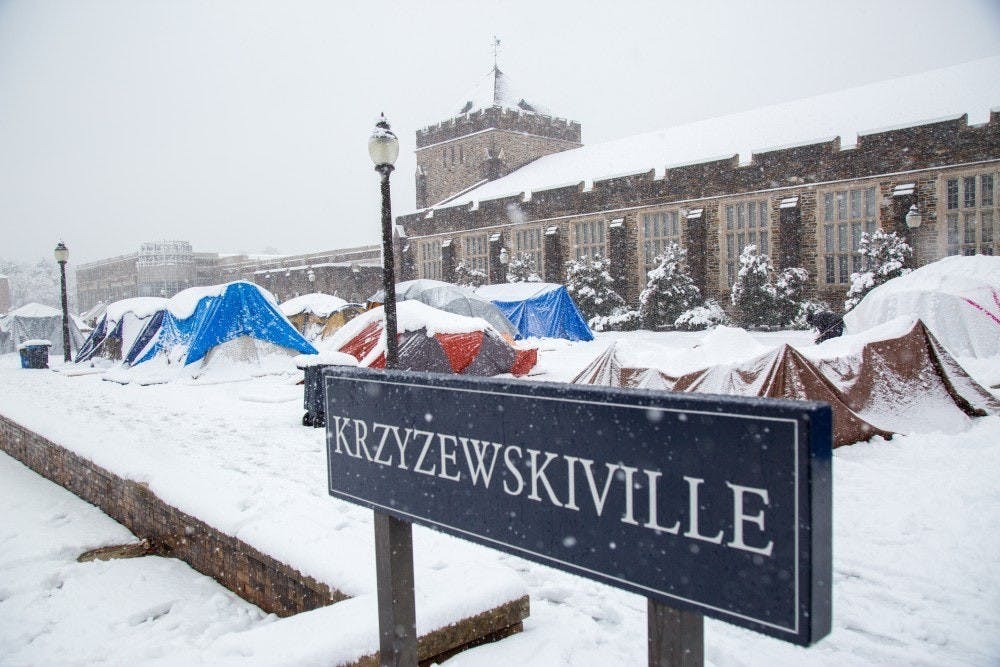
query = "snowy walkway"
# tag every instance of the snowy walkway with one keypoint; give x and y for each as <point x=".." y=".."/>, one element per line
<point x="916" y="553"/>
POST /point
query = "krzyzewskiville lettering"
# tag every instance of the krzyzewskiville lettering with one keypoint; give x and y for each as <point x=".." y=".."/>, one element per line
<point x="584" y="485"/>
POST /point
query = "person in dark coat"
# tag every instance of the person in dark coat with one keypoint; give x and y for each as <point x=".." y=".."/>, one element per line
<point x="829" y="325"/>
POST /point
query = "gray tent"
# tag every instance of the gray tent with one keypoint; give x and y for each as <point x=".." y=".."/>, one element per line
<point x="453" y="299"/>
<point x="34" y="321"/>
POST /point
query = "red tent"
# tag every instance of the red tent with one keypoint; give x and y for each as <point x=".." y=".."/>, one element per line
<point x="469" y="353"/>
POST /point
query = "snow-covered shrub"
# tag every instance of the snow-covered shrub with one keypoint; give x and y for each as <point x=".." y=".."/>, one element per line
<point x="754" y="297"/>
<point x="467" y="277"/>
<point x="788" y="287"/>
<point x="706" y="316"/>
<point x="670" y="290"/>
<point x="522" y="269"/>
<point x="623" y="319"/>
<point x="592" y="287"/>
<point x="884" y="256"/>
<point x="805" y="309"/>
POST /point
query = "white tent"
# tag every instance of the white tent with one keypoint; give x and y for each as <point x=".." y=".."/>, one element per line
<point x="958" y="298"/>
<point x="35" y="321"/>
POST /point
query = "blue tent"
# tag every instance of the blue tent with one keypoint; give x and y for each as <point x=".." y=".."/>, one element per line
<point x="219" y="315"/>
<point x="545" y="310"/>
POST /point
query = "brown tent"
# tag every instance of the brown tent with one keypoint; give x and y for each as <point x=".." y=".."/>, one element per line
<point x="340" y="317"/>
<point x="874" y="393"/>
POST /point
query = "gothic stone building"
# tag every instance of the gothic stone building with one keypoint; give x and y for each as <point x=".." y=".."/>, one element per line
<point x="801" y="180"/>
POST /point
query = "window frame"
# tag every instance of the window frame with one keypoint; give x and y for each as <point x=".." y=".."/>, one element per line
<point x="971" y="215"/>
<point x="588" y="247"/>
<point x="839" y="229"/>
<point x="734" y="227"/>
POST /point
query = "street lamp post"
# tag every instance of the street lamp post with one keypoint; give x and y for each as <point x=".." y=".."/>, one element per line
<point x="62" y="256"/>
<point x="383" y="147"/>
<point x="393" y="537"/>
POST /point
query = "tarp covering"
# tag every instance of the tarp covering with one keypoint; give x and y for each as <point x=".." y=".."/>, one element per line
<point x="452" y="299"/>
<point x="886" y="387"/>
<point x="238" y="309"/>
<point x="119" y="327"/>
<point x="958" y="298"/>
<point x="317" y="316"/>
<point x="433" y="340"/>
<point x="35" y="321"/>
<point x="543" y="310"/>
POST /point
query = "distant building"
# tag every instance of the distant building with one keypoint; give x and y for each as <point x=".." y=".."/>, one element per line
<point x="801" y="180"/>
<point x="166" y="267"/>
<point x="6" y="295"/>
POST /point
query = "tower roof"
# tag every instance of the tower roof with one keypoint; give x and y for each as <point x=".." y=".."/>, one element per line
<point x="496" y="90"/>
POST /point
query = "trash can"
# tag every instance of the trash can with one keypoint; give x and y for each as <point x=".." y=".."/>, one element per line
<point x="34" y="353"/>
<point x="314" y="397"/>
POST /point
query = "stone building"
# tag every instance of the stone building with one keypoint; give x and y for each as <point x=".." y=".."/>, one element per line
<point x="801" y="180"/>
<point x="164" y="268"/>
<point x="6" y="295"/>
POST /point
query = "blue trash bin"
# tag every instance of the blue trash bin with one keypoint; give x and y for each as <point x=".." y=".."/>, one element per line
<point x="34" y="353"/>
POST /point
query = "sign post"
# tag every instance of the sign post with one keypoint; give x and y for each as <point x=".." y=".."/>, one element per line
<point x="707" y="505"/>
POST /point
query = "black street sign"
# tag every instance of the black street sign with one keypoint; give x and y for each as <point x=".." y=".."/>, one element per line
<point x="713" y="504"/>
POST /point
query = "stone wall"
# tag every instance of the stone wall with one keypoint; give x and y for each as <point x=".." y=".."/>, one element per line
<point x="253" y="575"/>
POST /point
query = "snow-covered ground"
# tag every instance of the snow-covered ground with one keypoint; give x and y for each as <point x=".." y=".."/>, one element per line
<point x="916" y="551"/>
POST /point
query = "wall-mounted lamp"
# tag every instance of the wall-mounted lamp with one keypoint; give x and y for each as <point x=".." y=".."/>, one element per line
<point x="913" y="217"/>
<point x="504" y="256"/>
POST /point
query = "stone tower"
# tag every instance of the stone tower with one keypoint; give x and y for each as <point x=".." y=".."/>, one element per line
<point x="494" y="132"/>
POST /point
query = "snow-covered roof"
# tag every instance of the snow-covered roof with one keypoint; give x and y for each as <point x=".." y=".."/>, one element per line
<point x="970" y="88"/>
<point x="140" y="306"/>
<point x="317" y="303"/>
<point x="36" y="310"/>
<point x="496" y="90"/>
<point x="515" y="291"/>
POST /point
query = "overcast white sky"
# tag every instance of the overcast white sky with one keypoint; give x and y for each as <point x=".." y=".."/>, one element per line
<point x="242" y="126"/>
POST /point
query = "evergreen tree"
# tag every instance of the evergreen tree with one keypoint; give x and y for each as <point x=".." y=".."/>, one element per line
<point x="754" y="298"/>
<point x="522" y="269"/>
<point x="592" y="287"/>
<point x="471" y="278"/>
<point x="884" y="256"/>
<point x="788" y="287"/>
<point x="670" y="291"/>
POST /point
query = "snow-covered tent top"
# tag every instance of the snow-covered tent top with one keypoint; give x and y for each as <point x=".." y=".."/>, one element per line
<point x="496" y="90"/>
<point x="958" y="298"/>
<point x="200" y="318"/>
<point x="119" y="326"/>
<point x="35" y="321"/>
<point x="431" y="340"/>
<point x="895" y="378"/>
<point x="544" y="310"/>
<point x="943" y="93"/>
<point x="316" y="303"/>
<point x="453" y="299"/>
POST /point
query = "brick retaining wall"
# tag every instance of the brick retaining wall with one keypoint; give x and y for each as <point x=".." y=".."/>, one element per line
<point x="253" y="575"/>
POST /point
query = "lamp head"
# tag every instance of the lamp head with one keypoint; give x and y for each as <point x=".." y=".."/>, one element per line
<point x="504" y="256"/>
<point x="383" y="146"/>
<point x="913" y="217"/>
<point x="61" y="253"/>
